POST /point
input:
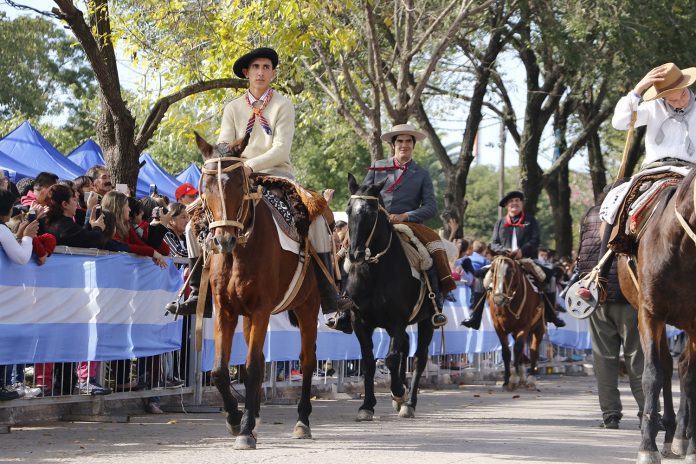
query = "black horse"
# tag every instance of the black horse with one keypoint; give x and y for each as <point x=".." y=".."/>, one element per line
<point x="385" y="293"/>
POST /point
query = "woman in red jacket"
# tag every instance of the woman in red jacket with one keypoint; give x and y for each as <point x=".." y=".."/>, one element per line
<point x="116" y="204"/>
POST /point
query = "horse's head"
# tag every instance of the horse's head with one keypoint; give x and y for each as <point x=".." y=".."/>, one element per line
<point x="503" y="271"/>
<point x="224" y="188"/>
<point x="363" y="212"/>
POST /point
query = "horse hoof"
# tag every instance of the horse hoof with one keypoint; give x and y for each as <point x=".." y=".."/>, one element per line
<point x="407" y="412"/>
<point x="508" y="387"/>
<point x="667" y="452"/>
<point x="648" y="457"/>
<point x="233" y="429"/>
<point x="301" y="431"/>
<point x="245" y="442"/>
<point x="396" y="405"/>
<point x="365" y="415"/>
<point x="679" y="446"/>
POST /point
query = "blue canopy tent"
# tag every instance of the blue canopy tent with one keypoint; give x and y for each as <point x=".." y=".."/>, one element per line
<point x="26" y="146"/>
<point x="152" y="173"/>
<point x="87" y="155"/>
<point x="191" y="174"/>
<point x="15" y="169"/>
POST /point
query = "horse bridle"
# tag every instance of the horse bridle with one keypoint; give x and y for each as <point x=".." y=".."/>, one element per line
<point x="506" y="288"/>
<point x="368" y="254"/>
<point x="249" y="200"/>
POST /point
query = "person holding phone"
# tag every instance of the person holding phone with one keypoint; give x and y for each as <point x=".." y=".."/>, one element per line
<point x="62" y="204"/>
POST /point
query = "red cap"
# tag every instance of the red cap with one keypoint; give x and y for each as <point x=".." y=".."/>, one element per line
<point x="185" y="189"/>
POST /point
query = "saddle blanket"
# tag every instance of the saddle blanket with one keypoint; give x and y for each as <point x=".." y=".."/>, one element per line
<point x="615" y="198"/>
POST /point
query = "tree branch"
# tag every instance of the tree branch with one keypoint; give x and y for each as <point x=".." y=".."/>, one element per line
<point x="579" y="141"/>
<point x="162" y="105"/>
<point x="20" y="6"/>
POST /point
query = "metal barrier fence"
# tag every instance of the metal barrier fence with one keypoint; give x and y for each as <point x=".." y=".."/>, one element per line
<point x="179" y="373"/>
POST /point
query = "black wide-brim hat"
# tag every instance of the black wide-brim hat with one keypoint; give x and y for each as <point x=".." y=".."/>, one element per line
<point x="509" y="196"/>
<point x="244" y="61"/>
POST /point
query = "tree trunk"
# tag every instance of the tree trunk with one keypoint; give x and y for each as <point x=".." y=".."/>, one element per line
<point x="597" y="169"/>
<point x="558" y="191"/>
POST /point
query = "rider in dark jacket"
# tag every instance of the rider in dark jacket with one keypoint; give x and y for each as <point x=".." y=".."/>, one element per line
<point x="516" y="234"/>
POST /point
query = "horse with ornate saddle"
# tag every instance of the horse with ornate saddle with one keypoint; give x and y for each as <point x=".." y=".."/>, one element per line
<point x="652" y="219"/>
<point x="257" y="253"/>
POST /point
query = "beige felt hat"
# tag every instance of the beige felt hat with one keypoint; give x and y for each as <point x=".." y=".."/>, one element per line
<point x="675" y="79"/>
<point x="402" y="129"/>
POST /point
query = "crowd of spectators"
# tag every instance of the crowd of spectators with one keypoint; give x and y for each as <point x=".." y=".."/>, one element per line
<point x="36" y="215"/>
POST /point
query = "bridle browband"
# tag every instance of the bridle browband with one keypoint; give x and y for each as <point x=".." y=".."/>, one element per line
<point x="249" y="200"/>
<point x="368" y="254"/>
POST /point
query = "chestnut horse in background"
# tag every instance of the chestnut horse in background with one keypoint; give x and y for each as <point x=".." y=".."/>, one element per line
<point x="249" y="276"/>
<point x="517" y="309"/>
<point x="664" y="293"/>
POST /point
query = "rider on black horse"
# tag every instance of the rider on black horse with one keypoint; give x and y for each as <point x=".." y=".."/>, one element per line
<point x="409" y="198"/>
<point x="516" y="234"/>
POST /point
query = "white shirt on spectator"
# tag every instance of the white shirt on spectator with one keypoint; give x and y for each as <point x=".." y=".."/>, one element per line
<point x="653" y="113"/>
<point x="18" y="253"/>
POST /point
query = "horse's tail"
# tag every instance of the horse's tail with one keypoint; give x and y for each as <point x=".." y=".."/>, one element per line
<point x="293" y="318"/>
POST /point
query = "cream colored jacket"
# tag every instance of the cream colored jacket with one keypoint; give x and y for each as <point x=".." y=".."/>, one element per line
<point x="265" y="153"/>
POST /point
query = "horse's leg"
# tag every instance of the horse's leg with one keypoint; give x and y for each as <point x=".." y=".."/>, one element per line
<point x="506" y="357"/>
<point x="255" y="371"/>
<point x="690" y="393"/>
<point x="517" y="377"/>
<point x="420" y="359"/>
<point x="367" y="409"/>
<point x="537" y="337"/>
<point x="307" y="318"/>
<point x="405" y="348"/>
<point x="680" y="443"/>
<point x="225" y="324"/>
<point x="393" y="362"/>
<point x="651" y="332"/>
<point x="668" y="417"/>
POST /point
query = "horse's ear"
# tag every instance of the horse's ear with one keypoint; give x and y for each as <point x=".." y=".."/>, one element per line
<point x="352" y="184"/>
<point x="203" y="146"/>
<point x="244" y="143"/>
<point x="375" y="189"/>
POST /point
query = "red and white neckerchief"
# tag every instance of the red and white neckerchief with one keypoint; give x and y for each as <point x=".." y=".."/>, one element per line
<point x="404" y="168"/>
<point x="257" y="106"/>
<point x="519" y="223"/>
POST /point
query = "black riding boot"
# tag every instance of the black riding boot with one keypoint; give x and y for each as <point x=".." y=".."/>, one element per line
<point x="549" y="310"/>
<point x="438" y="319"/>
<point x="474" y="321"/>
<point x="188" y="307"/>
<point x="332" y="302"/>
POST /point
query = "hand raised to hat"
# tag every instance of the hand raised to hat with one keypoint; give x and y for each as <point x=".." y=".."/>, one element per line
<point x="654" y="75"/>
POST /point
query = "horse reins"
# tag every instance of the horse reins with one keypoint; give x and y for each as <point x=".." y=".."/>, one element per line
<point x="249" y="200"/>
<point x="368" y="254"/>
<point x="506" y="288"/>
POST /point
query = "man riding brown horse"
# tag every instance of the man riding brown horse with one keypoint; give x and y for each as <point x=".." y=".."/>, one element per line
<point x="517" y="234"/>
<point x="267" y="118"/>
<point x="409" y="198"/>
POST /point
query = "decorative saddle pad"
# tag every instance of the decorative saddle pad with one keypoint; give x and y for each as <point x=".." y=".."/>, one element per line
<point x="641" y="197"/>
<point x="301" y="204"/>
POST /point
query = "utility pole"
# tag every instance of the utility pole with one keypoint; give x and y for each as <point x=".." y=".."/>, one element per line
<point x="501" y="174"/>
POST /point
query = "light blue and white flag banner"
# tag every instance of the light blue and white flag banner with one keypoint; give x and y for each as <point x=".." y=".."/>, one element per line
<point x="86" y="308"/>
<point x="283" y="341"/>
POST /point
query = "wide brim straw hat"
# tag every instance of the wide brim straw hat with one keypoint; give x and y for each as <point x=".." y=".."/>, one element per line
<point x="400" y="129"/>
<point x="675" y="79"/>
<point x="244" y="61"/>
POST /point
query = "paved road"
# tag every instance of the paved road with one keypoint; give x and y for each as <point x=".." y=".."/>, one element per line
<point x="475" y="424"/>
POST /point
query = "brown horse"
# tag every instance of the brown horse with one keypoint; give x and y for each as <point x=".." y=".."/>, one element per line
<point x="516" y="309"/>
<point x="664" y="293"/>
<point x="249" y="276"/>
